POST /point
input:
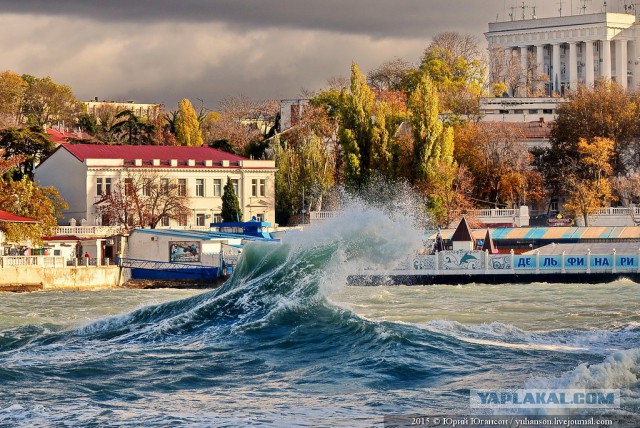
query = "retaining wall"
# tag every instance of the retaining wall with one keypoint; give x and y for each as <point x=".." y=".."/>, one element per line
<point x="27" y="278"/>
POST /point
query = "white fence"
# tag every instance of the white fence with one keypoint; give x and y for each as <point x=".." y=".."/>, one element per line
<point x="518" y="217"/>
<point x="50" y="261"/>
<point x="619" y="216"/>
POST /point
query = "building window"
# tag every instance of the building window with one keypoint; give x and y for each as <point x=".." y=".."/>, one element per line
<point x="200" y="218"/>
<point x="182" y="186"/>
<point x="165" y="221"/>
<point x="518" y="111"/>
<point x="103" y="186"/>
<point x="547" y="111"/>
<point x="199" y="187"/>
<point x="182" y="220"/>
<point x="128" y="186"/>
<point x="258" y="187"/>
<point x="217" y="218"/>
<point x="217" y="187"/>
<point x="236" y="186"/>
<point x="260" y="217"/>
<point x="164" y="186"/>
<point x="554" y="205"/>
<point x="533" y="111"/>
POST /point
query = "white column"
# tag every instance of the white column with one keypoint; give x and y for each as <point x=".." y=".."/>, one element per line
<point x="606" y="59"/>
<point x="524" y="65"/>
<point x="540" y="62"/>
<point x="555" y="71"/>
<point x="621" y="63"/>
<point x="634" y="67"/>
<point x="589" y="74"/>
<point x="573" y="66"/>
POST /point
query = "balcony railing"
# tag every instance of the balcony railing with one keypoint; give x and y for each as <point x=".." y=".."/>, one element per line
<point x="89" y="231"/>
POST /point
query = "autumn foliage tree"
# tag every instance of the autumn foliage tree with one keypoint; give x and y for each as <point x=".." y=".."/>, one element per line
<point x="187" y="126"/>
<point x="589" y="185"/>
<point x="25" y="198"/>
<point x="143" y="199"/>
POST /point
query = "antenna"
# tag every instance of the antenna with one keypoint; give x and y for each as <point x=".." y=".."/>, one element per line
<point x="605" y="7"/>
<point x="584" y="6"/>
<point x="523" y="7"/>
<point x="533" y="15"/>
<point x="560" y="10"/>
<point x="511" y="15"/>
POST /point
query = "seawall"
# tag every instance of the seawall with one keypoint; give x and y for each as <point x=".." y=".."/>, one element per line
<point x="30" y="278"/>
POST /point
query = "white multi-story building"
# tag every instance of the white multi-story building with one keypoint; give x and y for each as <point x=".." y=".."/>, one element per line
<point x="82" y="173"/>
<point x="574" y="50"/>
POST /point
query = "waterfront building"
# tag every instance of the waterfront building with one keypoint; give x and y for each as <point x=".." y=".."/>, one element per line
<point x="569" y="50"/>
<point x="84" y="173"/>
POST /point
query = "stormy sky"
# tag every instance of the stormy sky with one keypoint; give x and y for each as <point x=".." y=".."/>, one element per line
<point x="165" y="50"/>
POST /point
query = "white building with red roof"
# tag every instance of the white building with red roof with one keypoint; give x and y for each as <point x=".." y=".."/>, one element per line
<point x="82" y="173"/>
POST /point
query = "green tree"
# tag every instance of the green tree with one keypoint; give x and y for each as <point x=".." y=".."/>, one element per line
<point x="25" y="198"/>
<point x="365" y="132"/>
<point x="230" y="205"/>
<point x="431" y="142"/>
<point x="30" y="142"/>
<point x="187" y="127"/>
<point x="130" y="129"/>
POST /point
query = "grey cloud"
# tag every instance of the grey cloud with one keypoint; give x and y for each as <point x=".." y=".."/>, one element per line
<point x="377" y="18"/>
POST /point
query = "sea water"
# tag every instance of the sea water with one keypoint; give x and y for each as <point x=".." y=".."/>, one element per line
<point x="285" y="343"/>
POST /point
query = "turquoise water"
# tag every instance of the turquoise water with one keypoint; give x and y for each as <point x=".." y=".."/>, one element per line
<point x="285" y="343"/>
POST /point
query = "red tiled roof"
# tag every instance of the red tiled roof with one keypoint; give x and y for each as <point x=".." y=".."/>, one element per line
<point x="12" y="218"/>
<point x="146" y="153"/>
<point x="61" y="137"/>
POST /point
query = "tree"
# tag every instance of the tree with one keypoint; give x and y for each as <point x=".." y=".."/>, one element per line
<point x="143" y="199"/>
<point x="306" y="163"/>
<point x="499" y="163"/>
<point x="187" y="127"/>
<point x="46" y="102"/>
<point x="448" y="193"/>
<point x="130" y="129"/>
<point x="25" y="198"/>
<point x="9" y="162"/>
<point x="365" y="132"/>
<point x="605" y="111"/>
<point x="242" y="123"/>
<point x="457" y="68"/>
<point x="427" y="129"/>
<point x="230" y="206"/>
<point x="390" y="76"/>
<point x="12" y="89"/>
<point x="589" y="186"/>
<point x="32" y="143"/>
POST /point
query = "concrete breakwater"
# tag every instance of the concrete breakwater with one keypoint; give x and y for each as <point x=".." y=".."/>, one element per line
<point x="53" y="273"/>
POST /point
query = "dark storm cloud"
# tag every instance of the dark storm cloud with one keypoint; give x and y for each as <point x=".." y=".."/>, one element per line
<point x="165" y="50"/>
<point x="377" y="18"/>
